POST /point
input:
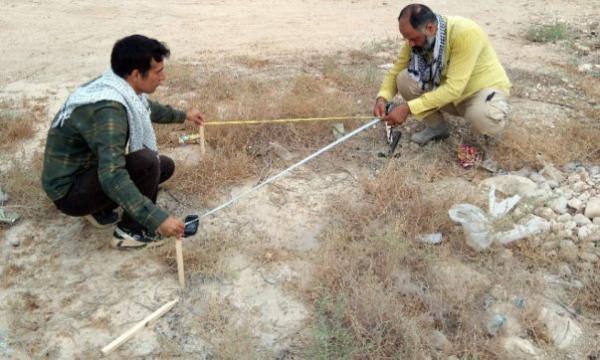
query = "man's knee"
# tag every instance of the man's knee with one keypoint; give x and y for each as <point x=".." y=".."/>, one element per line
<point x="408" y="87"/>
<point x="167" y="168"/>
<point x="488" y="112"/>
<point x="142" y="162"/>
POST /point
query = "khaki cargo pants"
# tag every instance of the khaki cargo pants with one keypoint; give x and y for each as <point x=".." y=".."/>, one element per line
<point x="487" y="110"/>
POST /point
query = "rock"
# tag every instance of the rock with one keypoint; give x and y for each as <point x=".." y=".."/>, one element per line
<point x="439" y="341"/>
<point x="589" y="233"/>
<point x="572" y="179"/>
<point x="589" y="257"/>
<point x="576" y="204"/>
<point x="550" y="245"/>
<point x="562" y="330"/>
<point x="584" y="197"/>
<point x="14" y="241"/>
<point x="564" y="270"/>
<point x="581" y="220"/>
<point x="524" y="172"/>
<point x="520" y="349"/>
<point x="559" y="205"/>
<point x="545" y="212"/>
<point x="579" y="187"/>
<point x="510" y="184"/>
<point x="570" y="167"/>
<point x="596" y="221"/>
<point x="592" y="209"/>
<point x="3" y="196"/>
<point x="585" y="68"/>
<point x="557" y="226"/>
<point x="553" y="184"/>
<point x="553" y="173"/>
<point x="568" y="250"/>
<point x="564" y="218"/>
<point x="537" y="178"/>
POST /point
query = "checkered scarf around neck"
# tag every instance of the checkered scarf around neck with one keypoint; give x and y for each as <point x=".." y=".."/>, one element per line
<point x="110" y="86"/>
<point x="429" y="74"/>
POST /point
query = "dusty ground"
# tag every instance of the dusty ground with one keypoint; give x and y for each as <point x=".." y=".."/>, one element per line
<point x="72" y="294"/>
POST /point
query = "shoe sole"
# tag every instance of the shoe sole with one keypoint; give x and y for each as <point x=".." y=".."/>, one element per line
<point x="435" y="138"/>
<point x="96" y="224"/>
<point x="126" y="244"/>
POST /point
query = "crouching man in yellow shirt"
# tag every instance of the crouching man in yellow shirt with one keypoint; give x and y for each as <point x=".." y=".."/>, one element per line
<point x="446" y="65"/>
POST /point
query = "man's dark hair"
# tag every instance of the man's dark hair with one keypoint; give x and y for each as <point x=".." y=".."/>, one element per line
<point x="136" y="52"/>
<point x="419" y="15"/>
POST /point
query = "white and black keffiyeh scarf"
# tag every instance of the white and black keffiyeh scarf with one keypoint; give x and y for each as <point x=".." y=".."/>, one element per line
<point x="112" y="87"/>
<point x="429" y="73"/>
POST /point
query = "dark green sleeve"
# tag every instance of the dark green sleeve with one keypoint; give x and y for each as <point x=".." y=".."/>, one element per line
<point x="107" y="139"/>
<point x="165" y="114"/>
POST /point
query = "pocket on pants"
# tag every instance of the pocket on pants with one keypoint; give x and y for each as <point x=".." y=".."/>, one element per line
<point x="497" y="109"/>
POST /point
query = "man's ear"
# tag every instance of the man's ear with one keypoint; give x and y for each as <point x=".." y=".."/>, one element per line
<point x="431" y="28"/>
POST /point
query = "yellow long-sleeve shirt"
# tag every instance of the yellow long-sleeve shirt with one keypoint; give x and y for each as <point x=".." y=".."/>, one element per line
<point x="470" y="65"/>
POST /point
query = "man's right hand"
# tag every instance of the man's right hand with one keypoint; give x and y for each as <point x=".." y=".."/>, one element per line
<point x="172" y="226"/>
<point x="379" y="108"/>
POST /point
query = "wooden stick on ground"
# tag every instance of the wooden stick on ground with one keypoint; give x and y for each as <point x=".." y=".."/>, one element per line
<point x="202" y="143"/>
<point x="137" y="327"/>
<point x="180" y="272"/>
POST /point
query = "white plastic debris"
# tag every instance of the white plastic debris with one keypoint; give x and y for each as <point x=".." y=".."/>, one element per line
<point x="431" y="238"/>
<point x="481" y="228"/>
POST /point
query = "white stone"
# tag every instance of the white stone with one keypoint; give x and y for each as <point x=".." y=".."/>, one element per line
<point x="545" y="212"/>
<point x="564" y="217"/>
<point x="584" y="197"/>
<point x="510" y="184"/>
<point x="579" y="187"/>
<point x="439" y="341"/>
<point x="553" y="184"/>
<point x="589" y="233"/>
<point x="575" y="203"/>
<point x="564" y="270"/>
<point x="552" y="173"/>
<point x="431" y="238"/>
<point x="563" y="331"/>
<point x="589" y="257"/>
<point x="596" y="221"/>
<point x="520" y="349"/>
<point x="572" y="179"/>
<point x="581" y="220"/>
<point x="557" y="226"/>
<point x="537" y="178"/>
<point x="592" y="209"/>
<point x="559" y="205"/>
<point x="549" y="245"/>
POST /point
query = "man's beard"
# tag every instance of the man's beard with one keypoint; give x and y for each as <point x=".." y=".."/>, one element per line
<point x="422" y="50"/>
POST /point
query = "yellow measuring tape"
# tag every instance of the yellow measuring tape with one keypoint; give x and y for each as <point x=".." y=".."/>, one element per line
<point x="275" y="121"/>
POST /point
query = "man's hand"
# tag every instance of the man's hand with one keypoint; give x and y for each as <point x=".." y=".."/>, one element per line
<point x="379" y="108"/>
<point x="398" y="115"/>
<point x="172" y="226"/>
<point x="195" y="116"/>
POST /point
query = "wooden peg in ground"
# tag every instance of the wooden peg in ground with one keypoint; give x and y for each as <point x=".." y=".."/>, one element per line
<point x="179" y="254"/>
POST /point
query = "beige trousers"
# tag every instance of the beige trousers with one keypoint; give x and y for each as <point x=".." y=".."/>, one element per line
<point x="487" y="113"/>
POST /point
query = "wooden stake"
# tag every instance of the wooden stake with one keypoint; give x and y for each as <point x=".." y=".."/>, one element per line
<point x="202" y="142"/>
<point x="180" y="272"/>
<point x="137" y="327"/>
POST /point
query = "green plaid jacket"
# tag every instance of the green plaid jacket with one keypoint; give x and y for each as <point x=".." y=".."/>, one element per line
<point x="96" y="135"/>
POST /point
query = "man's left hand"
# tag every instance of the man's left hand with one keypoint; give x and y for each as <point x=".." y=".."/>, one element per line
<point x="195" y="116"/>
<point x="398" y="115"/>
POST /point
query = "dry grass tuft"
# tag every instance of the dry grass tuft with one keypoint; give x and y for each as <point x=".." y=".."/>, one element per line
<point x="573" y="141"/>
<point x="377" y="290"/>
<point x="22" y="183"/>
<point x="17" y="123"/>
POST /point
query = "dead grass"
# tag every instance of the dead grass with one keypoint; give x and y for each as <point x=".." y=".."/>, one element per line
<point x="573" y="141"/>
<point x="17" y="122"/>
<point x="22" y="183"/>
<point x="377" y="291"/>
<point x="242" y="151"/>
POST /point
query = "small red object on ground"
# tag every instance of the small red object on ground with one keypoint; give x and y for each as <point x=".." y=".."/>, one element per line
<point x="468" y="156"/>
